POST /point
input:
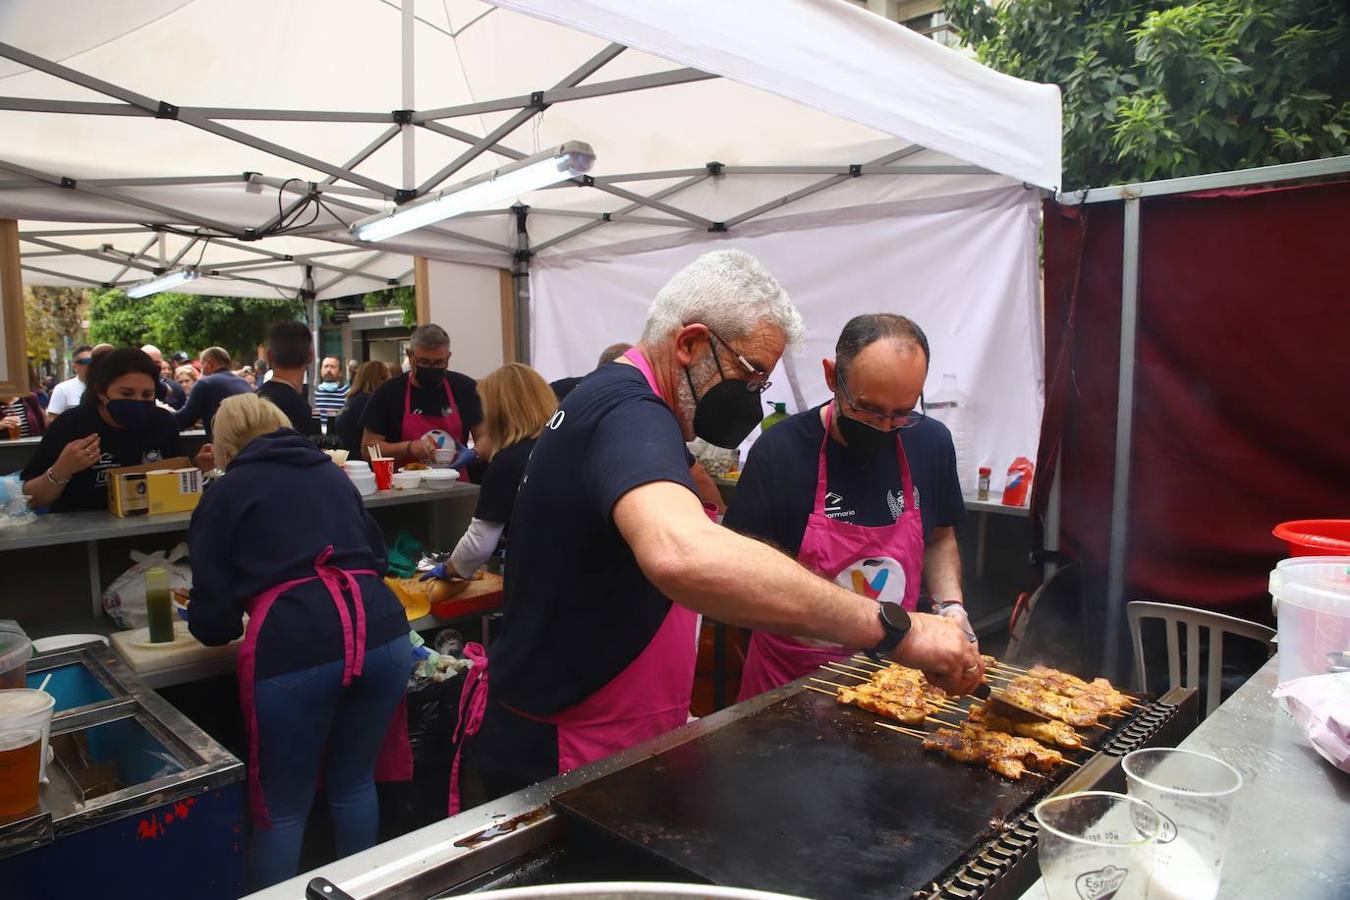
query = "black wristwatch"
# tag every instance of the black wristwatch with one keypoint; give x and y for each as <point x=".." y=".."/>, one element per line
<point x="895" y="622"/>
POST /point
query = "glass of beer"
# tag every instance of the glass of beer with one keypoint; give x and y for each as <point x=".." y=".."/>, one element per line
<point x="20" y="757"/>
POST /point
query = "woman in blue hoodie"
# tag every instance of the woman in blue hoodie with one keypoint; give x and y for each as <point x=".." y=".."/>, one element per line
<point x="284" y="537"/>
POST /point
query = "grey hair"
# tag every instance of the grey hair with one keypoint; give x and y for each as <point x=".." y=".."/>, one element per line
<point x="727" y="290"/>
<point x="428" y="337"/>
<point x="862" y="331"/>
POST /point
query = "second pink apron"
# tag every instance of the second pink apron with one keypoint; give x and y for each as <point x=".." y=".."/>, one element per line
<point x="395" y="760"/>
<point x="648" y="698"/>
<point x="883" y="561"/>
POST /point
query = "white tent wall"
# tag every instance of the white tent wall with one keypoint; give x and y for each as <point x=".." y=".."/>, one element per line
<point x="466" y="301"/>
<point x="963" y="267"/>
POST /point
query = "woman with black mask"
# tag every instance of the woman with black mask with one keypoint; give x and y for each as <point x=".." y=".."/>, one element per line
<point x="116" y="424"/>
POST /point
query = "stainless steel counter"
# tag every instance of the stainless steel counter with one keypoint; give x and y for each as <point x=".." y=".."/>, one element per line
<point x="1292" y="818"/>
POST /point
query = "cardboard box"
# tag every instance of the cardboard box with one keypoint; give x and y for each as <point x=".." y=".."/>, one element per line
<point x="174" y="490"/>
<point x="129" y="488"/>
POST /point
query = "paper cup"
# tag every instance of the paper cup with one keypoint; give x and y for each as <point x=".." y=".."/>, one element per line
<point x="384" y="473"/>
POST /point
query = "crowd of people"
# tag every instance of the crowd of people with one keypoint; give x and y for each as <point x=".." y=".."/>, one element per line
<point x="325" y="653"/>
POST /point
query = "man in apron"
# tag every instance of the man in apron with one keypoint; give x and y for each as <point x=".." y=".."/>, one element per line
<point x="425" y="409"/>
<point x="613" y="556"/>
<point x="862" y="490"/>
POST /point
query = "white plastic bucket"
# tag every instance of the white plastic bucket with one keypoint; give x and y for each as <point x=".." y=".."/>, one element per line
<point x="1312" y="601"/>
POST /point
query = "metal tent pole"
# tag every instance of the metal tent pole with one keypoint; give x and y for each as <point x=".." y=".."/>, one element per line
<point x="1120" y="497"/>
<point x="520" y="281"/>
<point x="409" y="83"/>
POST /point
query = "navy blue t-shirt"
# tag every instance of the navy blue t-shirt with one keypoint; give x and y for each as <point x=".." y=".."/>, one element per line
<point x="207" y="394"/>
<point x="577" y="608"/>
<point x="501" y="482"/>
<point x="777" y="487"/>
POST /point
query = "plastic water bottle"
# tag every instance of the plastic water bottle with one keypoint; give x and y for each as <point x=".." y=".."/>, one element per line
<point x="779" y="414"/>
<point x="953" y="408"/>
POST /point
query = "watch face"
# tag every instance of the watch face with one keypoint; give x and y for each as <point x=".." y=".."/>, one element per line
<point x="895" y="615"/>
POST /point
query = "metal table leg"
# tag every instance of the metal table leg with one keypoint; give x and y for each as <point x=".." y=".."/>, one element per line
<point x="979" y="544"/>
<point x="95" y="579"/>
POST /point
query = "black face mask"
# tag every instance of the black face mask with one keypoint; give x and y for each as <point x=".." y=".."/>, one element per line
<point x="727" y="413"/>
<point x="863" y="439"/>
<point x="134" y="415"/>
<point x="428" y="377"/>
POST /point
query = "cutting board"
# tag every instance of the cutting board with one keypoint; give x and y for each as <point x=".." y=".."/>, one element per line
<point x="183" y="652"/>
<point x="483" y="595"/>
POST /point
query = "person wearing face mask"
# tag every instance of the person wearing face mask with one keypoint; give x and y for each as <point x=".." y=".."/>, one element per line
<point x="613" y="556"/>
<point x="427" y="397"/>
<point x="116" y="424"/>
<point x="861" y="490"/>
<point x="330" y="395"/>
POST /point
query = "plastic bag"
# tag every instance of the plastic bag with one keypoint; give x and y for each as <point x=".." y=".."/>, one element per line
<point x="14" y="509"/>
<point x="1019" y="482"/>
<point x="1320" y="704"/>
<point x="124" y="600"/>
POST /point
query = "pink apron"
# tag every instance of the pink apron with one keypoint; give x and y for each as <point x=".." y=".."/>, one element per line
<point x="395" y="759"/>
<point x="883" y="561"/>
<point x="648" y="698"/>
<point x="417" y="424"/>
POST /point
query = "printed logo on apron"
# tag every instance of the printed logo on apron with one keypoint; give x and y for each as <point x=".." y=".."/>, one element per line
<point x="878" y="578"/>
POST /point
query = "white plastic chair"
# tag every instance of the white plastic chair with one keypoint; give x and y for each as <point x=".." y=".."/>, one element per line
<point x="1217" y="624"/>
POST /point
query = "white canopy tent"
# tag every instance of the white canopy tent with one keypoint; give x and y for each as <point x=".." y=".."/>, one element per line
<point x="244" y="137"/>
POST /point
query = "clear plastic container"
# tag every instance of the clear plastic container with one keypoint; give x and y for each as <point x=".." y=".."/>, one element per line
<point x="15" y="651"/>
<point x="25" y="708"/>
<point x="954" y="408"/>
<point x="1312" y="596"/>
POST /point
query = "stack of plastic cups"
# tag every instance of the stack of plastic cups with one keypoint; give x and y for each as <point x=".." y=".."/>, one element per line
<point x="25" y="729"/>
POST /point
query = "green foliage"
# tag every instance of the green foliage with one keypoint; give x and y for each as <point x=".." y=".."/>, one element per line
<point x="403" y="297"/>
<point x="188" y="322"/>
<point x="49" y="315"/>
<point x="1161" y="89"/>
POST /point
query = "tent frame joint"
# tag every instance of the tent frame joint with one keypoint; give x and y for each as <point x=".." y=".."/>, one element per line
<point x="537" y="101"/>
<point x="855" y="170"/>
<point x="714" y="168"/>
<point x="405" y="195"/>
<point x="166" y="110"/>
<point x="69" y="184"/>
<point x="403" y="116"/>
<point x="718" y="227"/>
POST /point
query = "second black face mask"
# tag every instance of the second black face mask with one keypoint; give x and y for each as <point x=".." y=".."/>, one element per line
<point x="428" y="377"/>
<point x="726" y="414"/>
<point x="863" y="438"/>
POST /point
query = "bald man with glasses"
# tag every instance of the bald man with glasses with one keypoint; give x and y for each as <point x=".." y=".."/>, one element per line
<point x="862" y="490"/>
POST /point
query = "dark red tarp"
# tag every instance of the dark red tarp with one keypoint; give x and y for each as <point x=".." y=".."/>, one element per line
<point x="1242" y="389"/>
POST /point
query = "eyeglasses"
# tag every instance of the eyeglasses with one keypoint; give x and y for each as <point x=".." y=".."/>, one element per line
<point x="84" y="360"/>
<point x="431" y="364"/>
<point x="758" y="382"/>
<point x="876" y="417"/>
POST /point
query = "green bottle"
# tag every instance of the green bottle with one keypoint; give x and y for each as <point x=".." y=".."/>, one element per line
<point x="158" y="606"/>
<point x="779" y="414"/>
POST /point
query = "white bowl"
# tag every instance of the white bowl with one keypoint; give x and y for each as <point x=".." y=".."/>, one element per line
<point x="445" y="456"/>
<point x="439" y="478"/>
<point x="356" y="465"/>
<point x="365" y="482"/>
<point x="404" y="481"/>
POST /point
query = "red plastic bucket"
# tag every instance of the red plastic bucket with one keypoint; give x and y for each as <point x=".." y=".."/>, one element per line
<point x="1316" y="537"/>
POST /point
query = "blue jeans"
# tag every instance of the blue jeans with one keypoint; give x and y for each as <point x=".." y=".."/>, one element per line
<point x="306" y="720"/>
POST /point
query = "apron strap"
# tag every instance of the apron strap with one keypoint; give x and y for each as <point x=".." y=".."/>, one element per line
<point x="472" y="707"/>
<point x="643" y="365"/>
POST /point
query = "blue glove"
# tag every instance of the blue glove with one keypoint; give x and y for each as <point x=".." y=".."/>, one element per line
<point x="438" y="572"/>
<point x="466" y="455"/>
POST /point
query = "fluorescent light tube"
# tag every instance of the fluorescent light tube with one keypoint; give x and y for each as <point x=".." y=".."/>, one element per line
<point x="571" y="160"/>
<point x="162" y="283"/>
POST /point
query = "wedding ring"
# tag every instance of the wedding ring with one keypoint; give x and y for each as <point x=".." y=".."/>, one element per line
<point x="970" y="669"/>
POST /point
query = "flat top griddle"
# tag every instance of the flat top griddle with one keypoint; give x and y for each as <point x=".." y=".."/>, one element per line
<point x="804" y="797"/>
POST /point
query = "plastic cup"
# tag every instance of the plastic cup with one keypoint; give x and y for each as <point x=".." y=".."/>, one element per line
<point x="1193" y="792"/>
<point x="20" y="769"/>
<point x="1096" y="844"/>
<point x="384" y="473"/>
<point x="25" y="708"/>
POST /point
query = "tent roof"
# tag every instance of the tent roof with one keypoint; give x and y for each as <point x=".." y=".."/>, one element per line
<point x="153" y="111"/>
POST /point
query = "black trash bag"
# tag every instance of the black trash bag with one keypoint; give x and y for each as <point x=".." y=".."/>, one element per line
<point x="406" y="806"/>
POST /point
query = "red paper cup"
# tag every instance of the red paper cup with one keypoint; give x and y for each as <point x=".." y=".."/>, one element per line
<point x="384" y="473"/>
